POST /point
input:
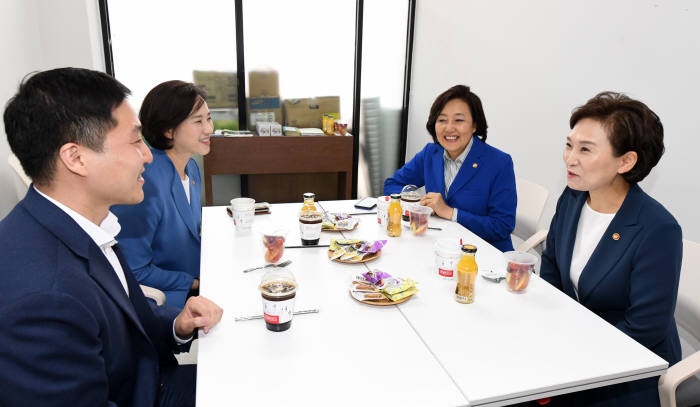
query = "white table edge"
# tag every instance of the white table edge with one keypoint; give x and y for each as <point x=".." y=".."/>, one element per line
<point x="652" y="372"/>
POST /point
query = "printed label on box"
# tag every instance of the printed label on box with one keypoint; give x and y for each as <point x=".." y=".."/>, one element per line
<point x="261" y="117"/>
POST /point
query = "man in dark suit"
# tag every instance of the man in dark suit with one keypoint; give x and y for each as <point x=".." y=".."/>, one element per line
<point x="76" y="328"/>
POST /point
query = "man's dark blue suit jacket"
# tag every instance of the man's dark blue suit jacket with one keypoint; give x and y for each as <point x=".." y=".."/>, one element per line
<point x="69" y="333"/>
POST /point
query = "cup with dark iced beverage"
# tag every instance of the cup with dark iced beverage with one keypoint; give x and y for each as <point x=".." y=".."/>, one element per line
<point x="310" y="223"/>
<point x="278" y="288"/>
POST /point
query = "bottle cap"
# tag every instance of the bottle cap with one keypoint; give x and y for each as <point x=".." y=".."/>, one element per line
<point x="395" y="196"/>
<point x="469" y="248"/>
<point x="309" y="195"/>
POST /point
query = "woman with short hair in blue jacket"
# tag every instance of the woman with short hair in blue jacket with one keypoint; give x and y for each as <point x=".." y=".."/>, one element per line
<point x="612" y="247"/>
<point x="465" y="179"/>
<point x="160" y="236"/>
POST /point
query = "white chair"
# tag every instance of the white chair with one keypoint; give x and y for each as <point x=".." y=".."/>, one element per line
<point x="22" y="183"/>
<point x="679" y="384"/>
<point x="154" y="294"/>
<point x="21" y="179"/>
<point x="531" y="201"/>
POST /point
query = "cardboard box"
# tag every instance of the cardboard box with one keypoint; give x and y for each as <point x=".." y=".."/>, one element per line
<point x="221" y="87"/>
<point x="269" y="128"/>
<point x="264" y="110"/>
<point x="307" y="112"/>
<point x="263" y="84"/>
<point x="263" y="128"/>
<point x="290" y="131"/>
<point x="275" y="129"/>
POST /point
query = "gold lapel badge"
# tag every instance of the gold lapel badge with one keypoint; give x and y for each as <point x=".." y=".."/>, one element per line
<point x="616" y="236"/>
<point x="475" y="165"/>
<point x="192" y="182"/>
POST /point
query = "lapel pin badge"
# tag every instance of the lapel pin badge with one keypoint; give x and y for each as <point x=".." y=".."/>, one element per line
<point x="192" y="182"/>
<point x="616" y="236"/>
<point x="475" y="165"/>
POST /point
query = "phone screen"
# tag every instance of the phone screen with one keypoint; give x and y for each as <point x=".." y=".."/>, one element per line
<point x="366" y="203"/>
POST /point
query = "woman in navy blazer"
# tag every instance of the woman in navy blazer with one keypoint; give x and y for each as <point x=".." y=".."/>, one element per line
<point x="466" y="180"/>
<point x="160" y="236"/>
<point x="611" y="246"/>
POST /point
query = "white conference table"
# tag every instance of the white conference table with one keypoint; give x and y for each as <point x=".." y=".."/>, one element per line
<point x="502" y="349"/>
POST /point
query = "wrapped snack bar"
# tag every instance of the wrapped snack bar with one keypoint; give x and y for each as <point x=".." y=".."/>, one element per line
<point x="396" y="285"/>
<point x="402" y="294"/>
<point x="375" y="276"/>
<point x="372" y="247"/>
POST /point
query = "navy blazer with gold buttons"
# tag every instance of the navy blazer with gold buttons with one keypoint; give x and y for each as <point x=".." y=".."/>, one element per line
<point x="631" y="279"/>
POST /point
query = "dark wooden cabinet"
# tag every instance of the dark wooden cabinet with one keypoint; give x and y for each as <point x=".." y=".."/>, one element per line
<point x="280" y="169"/>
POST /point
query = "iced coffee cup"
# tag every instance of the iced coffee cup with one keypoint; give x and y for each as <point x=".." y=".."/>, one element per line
<point x="278" y="288"/>
<point x="310" y="223"/>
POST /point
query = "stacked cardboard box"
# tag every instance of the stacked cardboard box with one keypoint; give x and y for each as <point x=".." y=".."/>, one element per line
<point x="264" y="104"/>
<point x="221" y="87"/>
<point x="307" y="112"/>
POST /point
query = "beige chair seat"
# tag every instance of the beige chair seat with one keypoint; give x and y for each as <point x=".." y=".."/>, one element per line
<point x="680" y="386"/>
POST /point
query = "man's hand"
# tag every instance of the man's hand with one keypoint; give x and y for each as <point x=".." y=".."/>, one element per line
<point x="199" y="312"/>
<point x="435" y="201"/>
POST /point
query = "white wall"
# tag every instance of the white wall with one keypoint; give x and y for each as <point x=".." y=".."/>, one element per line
<point x="533" y="62"/>
<point x="18" y="42"/>
<point x="38" y="35"/>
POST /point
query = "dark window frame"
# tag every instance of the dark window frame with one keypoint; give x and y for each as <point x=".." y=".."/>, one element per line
<point x="357" y="98"/>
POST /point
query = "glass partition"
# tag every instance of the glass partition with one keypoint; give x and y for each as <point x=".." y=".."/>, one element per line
<point x="383" y="63"/>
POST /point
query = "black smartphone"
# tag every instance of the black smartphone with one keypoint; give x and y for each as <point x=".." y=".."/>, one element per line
<point x="366" y="203"/>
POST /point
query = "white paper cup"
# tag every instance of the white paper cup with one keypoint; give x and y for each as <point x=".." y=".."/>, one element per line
<point x="243" y="211"/>
<point x="382" y="210"/>
<point x="447" y="255"/>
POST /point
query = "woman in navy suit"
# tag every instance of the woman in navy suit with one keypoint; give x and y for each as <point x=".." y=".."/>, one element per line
<point x="466" y="180"/>
<point x="160" y="236"/>
<point x="611" y="246"/>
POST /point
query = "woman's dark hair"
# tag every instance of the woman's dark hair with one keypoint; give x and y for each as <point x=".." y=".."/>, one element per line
<point x="59" y="106"/>
<point x="165" y="107"/>
<point x="631" y="126"/>
<point x="463" y="93"/>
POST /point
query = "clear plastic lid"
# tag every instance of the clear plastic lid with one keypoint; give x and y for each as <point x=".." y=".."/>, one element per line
<point x="448" y="247"/>
<point x="410" y="193"/>
<point x="273" y="236"/>
<point x="520" y="258"/>
<point x="278" y="282"/>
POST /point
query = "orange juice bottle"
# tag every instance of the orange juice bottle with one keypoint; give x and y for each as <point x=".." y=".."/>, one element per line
<point x="393" y="225"/>
<point x="309" y="205"/>
<point x="466" y="275"/>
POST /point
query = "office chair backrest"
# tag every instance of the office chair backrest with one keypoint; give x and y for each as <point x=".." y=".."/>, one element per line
<point x="532" y="198"/>
<point x="21" y="180"/>
<point x="688" y="304"/>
